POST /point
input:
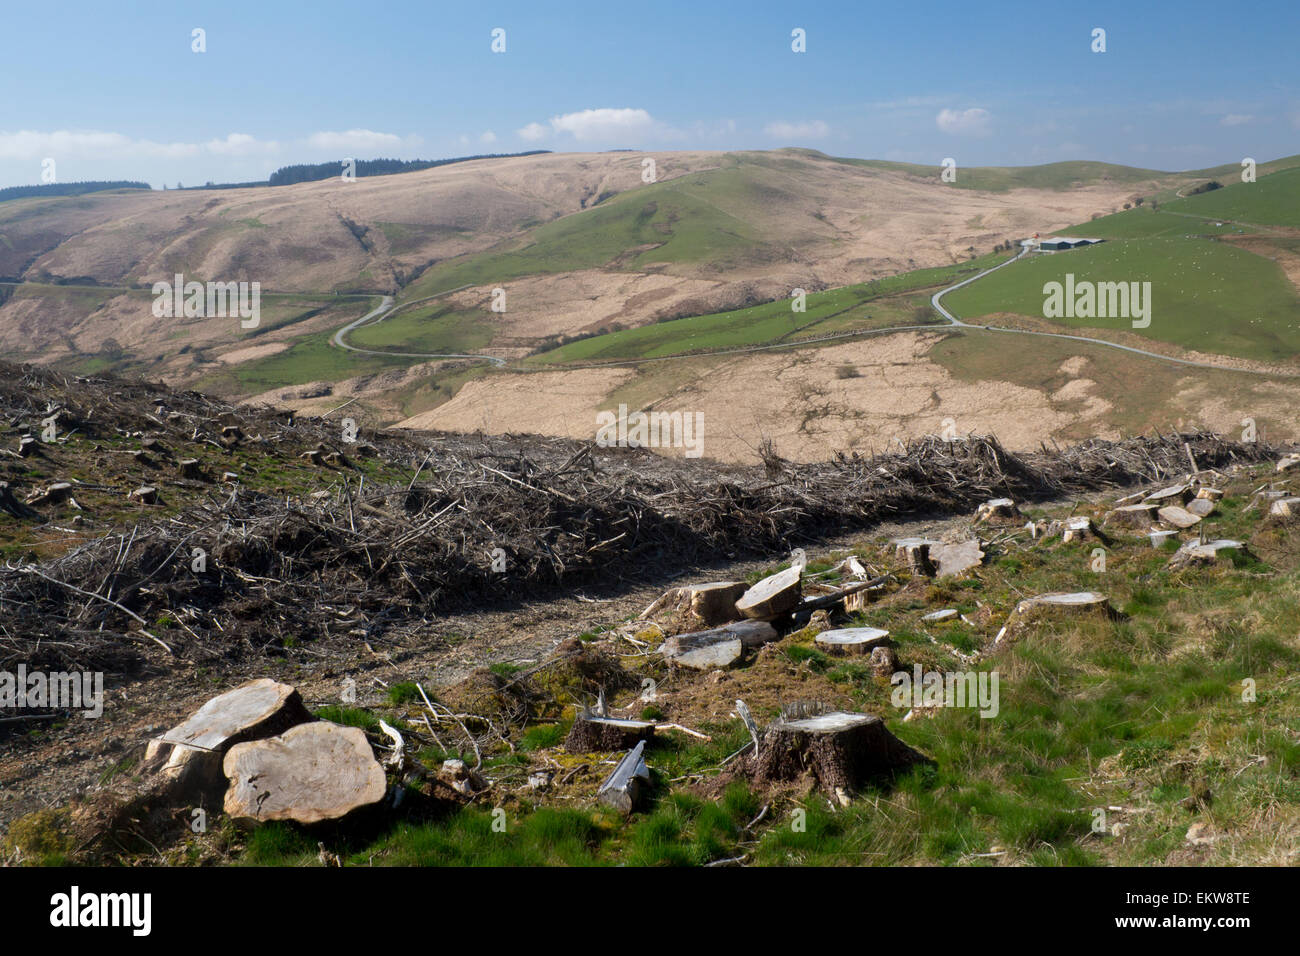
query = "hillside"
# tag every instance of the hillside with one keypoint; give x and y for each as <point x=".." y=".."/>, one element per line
<point x="581" y="241"/>
<point x="373" y="565"/>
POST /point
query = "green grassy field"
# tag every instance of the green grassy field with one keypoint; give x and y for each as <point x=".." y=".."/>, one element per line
<point x="1272" y="200"/>
<point x="1002" y="178"/>
<point x="705" y="219"/>
<point x="1206" y="295"/>
<point x="832" y="311"/>
<point x="1145" y="224"/>
<point x="432" y="328"/>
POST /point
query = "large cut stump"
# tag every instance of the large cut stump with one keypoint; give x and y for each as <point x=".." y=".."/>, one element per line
<point x="1287" y="509"/>
<point x="954" y="559"/>
<point x="1173" y="495"/>
<point x="313" y="772"/>
<point x="916" y="553"/>
<point x="592" y="733"/>
<point x="1198" y="553"/>
<point x="842" y="751"/>
<point x="852" y="640"/>
<point x="1287" y="462"/>
<point x="625" y="788"/>
<point x="1132" y="516"/>
<point x="773" y="596"/>
<point x="1056" y="605"/>
<point x="1178" y="516"/>
<point x="718" y="647"/>
<point x="55" y="494"/>
<point x="997" y="509"/>
<point x="698" y="605"/>
<point x="1201" y="507"/>
<point x="187" y="758"/>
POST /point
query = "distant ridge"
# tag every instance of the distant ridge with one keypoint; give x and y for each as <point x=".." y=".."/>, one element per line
<point x="312" y="172"/>
<point x="68" y="189"/>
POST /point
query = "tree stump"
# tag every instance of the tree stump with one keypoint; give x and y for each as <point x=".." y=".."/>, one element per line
<point x="1197" y="553"/>
<point x="1200" y="507"/>
<point x="851" y="640"/>
<point x="190" y="468"/>
<point x="1286" y="509"/>
<point x="315" y="456"/>
<point x="312" y="772"/>
<point x="1211" y="494"/>
<point x="1132" y="516"/>
<point x="11" y="506"/>
<point x="1173" y="495"/>
<point x="700" y="605"/>
<point x="54" y="494"/>
<point x="1056" y="604"/>
<point x="1177" y="516"/>
<point x="1286" y="462"/>
<point x="840" y="750"/>
<point x="626" y="786"/>
<point x="997" y="509"/>
<point x="1079" y="528"/>
<point x="146" y="495"/>
<point x="954" y="559"/>
<point x="187" y="758"/>
<point x="1159" y="536"/>
<point x="935" y="617"/>
<point x="883" y="661"/>
<point x="28" y="445"/>
<point x="773" y="596"/>
<point x="593" y="734"/>
<point x="718" y="647"/>
<point x="915" y="552"/>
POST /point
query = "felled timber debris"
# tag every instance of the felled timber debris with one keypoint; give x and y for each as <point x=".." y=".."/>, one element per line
<point x="312" y="772"/>
<point x="851" y="640"/>
<point x="841" y="751"/>
<point x="625" y="788"/>
<point x="698" y="605"/>
<point x="717" y="647"/>
<point x="773" y="596"/>
<point x="1287" y="462"/>
<point x="592" y="733"/>
<point x="569" y="515"/>
<point x="186" y="760"/>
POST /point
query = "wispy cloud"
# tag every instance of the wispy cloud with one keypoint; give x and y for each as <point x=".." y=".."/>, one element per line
<point x="811" y="129"/>
<point x="596" y="125"/>
<point x="1236" y="119"/>
<point x="972" y="122"/>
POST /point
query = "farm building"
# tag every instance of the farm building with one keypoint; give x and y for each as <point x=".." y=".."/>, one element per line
<point x="1061" y="243"/>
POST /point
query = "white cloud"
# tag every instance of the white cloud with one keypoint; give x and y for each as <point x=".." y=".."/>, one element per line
<point x="240" y="144"/>
<point x="487" y="137"/>
<point x="972" y="122"/>
<point x="30" y="144"/>
<point x="603" y="124"/>
<point x="533" y="132"/>
<point x="1236" y="119"/>
<point x="814" y="129"/>
<point x="354" y="140"/>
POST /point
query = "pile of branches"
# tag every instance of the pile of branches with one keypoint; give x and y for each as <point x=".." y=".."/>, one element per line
<point x="483" y="522"/>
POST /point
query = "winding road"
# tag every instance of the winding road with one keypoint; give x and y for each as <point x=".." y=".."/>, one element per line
<point x="379" y="312"/>
<point x="386" y="306"/>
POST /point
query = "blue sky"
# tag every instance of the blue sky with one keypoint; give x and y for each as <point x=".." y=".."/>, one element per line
<point x="115" y="93"/>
